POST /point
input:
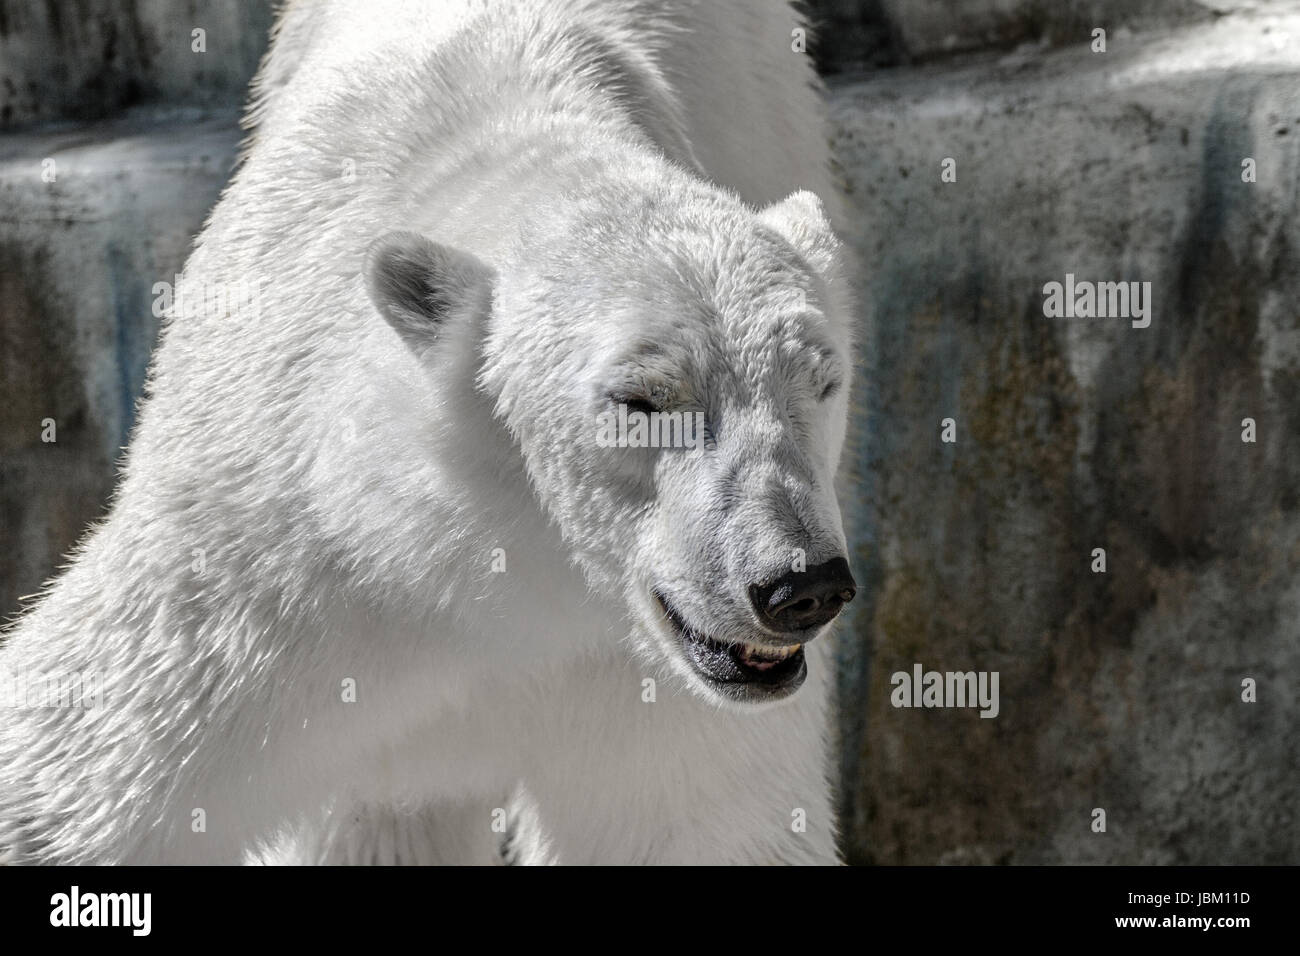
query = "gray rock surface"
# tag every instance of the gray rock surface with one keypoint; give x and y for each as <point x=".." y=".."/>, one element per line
<point x="79" y="257"/>
<point x="89" y="60"/>
<point x="1119" y="690"/>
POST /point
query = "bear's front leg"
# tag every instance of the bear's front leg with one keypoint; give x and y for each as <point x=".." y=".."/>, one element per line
<point x="174" y="744"/>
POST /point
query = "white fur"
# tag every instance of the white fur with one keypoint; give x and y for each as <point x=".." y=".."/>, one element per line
<point x="603" y="162"/>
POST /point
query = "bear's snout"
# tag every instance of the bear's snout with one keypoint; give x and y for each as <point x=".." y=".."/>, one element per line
<point x="801" y="600"/>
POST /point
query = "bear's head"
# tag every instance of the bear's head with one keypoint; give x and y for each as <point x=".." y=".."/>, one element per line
<point x="673" y="367"/>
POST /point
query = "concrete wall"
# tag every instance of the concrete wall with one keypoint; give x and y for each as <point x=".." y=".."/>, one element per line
<point x="90" y="59"/>
<point x="79" y="256"/>
<point x="1119" y="690"/>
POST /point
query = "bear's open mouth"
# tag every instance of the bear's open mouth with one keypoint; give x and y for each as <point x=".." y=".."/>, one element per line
<point x="737" y="667"/>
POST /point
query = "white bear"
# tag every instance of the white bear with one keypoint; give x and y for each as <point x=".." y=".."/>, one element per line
<point x="370" y="586"/>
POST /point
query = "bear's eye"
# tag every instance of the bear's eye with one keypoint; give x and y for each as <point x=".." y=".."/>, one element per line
<point x="634" y="403"/>
<point x="829" y="391"/>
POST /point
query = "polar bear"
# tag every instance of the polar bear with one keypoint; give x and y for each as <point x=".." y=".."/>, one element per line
<point x="370" y="588"/>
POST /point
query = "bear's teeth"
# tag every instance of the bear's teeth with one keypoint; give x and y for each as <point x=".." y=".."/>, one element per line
<point x="767" y="655"/>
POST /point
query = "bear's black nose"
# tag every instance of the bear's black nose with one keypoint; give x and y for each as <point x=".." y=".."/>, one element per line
<point x="804" y="599"/>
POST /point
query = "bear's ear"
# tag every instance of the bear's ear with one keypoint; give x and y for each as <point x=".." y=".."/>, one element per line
<point x="801" y="219"/>
<point x="417" y="285"/>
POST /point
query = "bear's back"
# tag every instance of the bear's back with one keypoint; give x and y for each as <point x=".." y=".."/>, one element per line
<point x="745" y="87"/>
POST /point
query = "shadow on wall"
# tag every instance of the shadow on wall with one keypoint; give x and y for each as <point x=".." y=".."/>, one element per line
<point x="94" y="59"/>
<point x="852" y="36"/>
